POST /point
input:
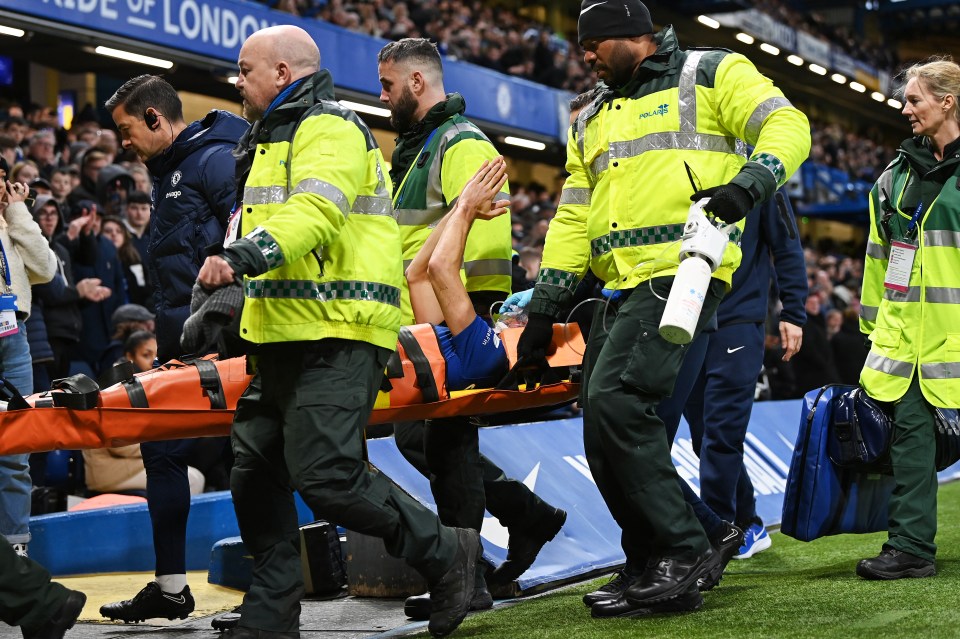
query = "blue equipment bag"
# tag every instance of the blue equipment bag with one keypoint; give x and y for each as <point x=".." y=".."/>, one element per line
<point x="820" y="498"/>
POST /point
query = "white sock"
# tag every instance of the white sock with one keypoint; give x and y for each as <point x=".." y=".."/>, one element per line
<point x="172" y="584"/>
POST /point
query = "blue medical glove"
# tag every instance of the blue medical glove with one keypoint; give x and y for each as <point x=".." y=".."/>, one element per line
<point x="518" y="300"/>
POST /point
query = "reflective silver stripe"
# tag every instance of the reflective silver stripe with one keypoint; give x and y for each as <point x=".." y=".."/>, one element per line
<point x="323" y="292"/>
<point x="885" y="184"/>
<point x="324" y="190"/>
<point x="256" y="195"/>
<point x="669" y="140"/>
<point x="912" y="295"/>
<point x="268" y="247"/>
<point x="943" y="295"/>
<point x="869" y="313"/>
<point x="942" y="238"/>
<point x="877" y="251"/>
<point x="419" y="217"/>
<point x="889" y="366"/>
<point x="760" y="115"/>
<point x="687" y="93"/>
<point x="576" y="196"/>
<point x="479" y="268"/>
<point x="940" y="370"/>
<point x="372" y="205"/>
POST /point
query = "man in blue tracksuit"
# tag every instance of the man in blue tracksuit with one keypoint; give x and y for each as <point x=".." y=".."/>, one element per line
<point x="716" y="385"/>
<point x="194" y="192"/>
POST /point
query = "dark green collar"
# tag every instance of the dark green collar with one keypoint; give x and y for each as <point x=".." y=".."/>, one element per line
<point x="412" y="140"/>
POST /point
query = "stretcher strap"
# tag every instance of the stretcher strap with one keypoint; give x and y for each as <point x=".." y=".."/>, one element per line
<point x="135" y="393"/>
<point x="421" y="365"/>
<point x="117" y="373"/>
<point x="210" y="381"/>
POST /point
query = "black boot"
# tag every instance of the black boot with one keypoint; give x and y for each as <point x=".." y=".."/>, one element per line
<point x="523" y="548"/>
<point x="62" y="619"/>
<point x="418" y="606"/>
<point x="894" y="564"/>
<point x="450" y="596"/>
<point x="670" y="577"/>
<point x="619" y="608"/>
<point x="611" y="590"/>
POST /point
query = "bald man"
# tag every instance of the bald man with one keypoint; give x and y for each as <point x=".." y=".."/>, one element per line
<point x="318" y="251"/>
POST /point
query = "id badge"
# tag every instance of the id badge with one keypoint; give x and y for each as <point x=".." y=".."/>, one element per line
<point x="900" y="266"/>
<point x="233" y="227"/>
<point x="8" y="315"/>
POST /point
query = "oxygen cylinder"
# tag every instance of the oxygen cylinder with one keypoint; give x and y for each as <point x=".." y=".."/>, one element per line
<point x="685" y="301"/>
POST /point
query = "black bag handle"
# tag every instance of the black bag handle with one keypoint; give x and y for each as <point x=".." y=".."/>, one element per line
<point x="10" y="394"/>
<point x="77" y="391"/>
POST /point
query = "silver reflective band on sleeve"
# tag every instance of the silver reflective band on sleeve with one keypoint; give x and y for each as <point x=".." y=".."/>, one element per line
<point x="372" y="205"/>
<point x="668" y="140"/>
<point x="940" y="370"/>
<point x="324" y="190"/>
<point x="950" y="239"/>
<point x="479" y="268"/>
<point x="877" y="251"/>
<point x="268" y="247"/>
<point x="912" y="295"/>
<point x="420" y="217"/>
<point x="942" y="294"/>
<point x="760" y="115"/>
<point x="575" y="196"/>
<point x="687" y="92"/>
<point x="323" y="292"/>
<point x="889" y="366"/>
<point x="869" y="313"/>
<point x="257" y="195"/>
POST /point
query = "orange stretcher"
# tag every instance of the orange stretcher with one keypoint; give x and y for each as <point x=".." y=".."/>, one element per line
<point x="197" y="398"/>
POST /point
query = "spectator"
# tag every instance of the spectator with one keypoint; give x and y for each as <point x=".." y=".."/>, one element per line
<point x="41" y="152"/>
<point x="61" y="183"/>
<point x="138" y="290"/>
<point x="137" y="220"/>
<point x="24" y="172"/>
<point x="26" y="259"/>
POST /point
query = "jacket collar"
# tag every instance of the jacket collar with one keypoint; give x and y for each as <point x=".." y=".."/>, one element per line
<point x="412" y="140"/>
<point x="660" y="62"/>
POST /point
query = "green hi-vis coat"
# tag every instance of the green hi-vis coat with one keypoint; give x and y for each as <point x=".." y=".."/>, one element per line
<point x="316" y="204"/>
<point x="921" y="327"/>
<point x="428" y="188"/>
<point x="623" y="208"/>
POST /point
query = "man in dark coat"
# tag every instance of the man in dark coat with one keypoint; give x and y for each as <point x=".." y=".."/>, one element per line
<point x="194" y="191"/>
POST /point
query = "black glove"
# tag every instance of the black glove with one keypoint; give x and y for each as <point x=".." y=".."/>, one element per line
<point x="729" y="202"/>
<point x="535" y="338"/>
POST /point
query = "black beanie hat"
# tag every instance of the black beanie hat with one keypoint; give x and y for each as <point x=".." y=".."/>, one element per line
<point x="4" y="167"/>
<point x="613" y="19"/>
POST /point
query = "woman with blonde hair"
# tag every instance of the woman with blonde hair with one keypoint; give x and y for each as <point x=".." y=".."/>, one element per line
<point x="911" y="292"/>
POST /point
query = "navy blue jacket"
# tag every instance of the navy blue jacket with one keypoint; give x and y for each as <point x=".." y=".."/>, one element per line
<point x="97" y="316"/>
<point x="767" y="234"/>
<point x="194" y="190"/>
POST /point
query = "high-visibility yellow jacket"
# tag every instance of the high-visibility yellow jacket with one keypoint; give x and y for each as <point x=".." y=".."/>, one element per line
<point x="429" y="188"/>
<point x="320" y="245"/>
<point x="919" y="327"/>
<point x="623" y="208"/>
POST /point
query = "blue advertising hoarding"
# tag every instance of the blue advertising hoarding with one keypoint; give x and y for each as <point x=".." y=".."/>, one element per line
<point x="216" y="29"/>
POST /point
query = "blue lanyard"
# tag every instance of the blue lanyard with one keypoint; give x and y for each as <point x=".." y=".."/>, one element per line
<point x="419" y="155"/>
<point x="6" y="266"/>
<point x="913" y="220"/>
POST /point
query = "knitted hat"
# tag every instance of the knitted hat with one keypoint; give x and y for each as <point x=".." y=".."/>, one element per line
<point x="613" y="19"/>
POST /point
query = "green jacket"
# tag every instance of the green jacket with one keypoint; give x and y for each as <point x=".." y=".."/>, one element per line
<point x="917" y="327"/>
<point x="623" y="208"/>
<point x="320" y="246"/>
<point x="431" y="164"/>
